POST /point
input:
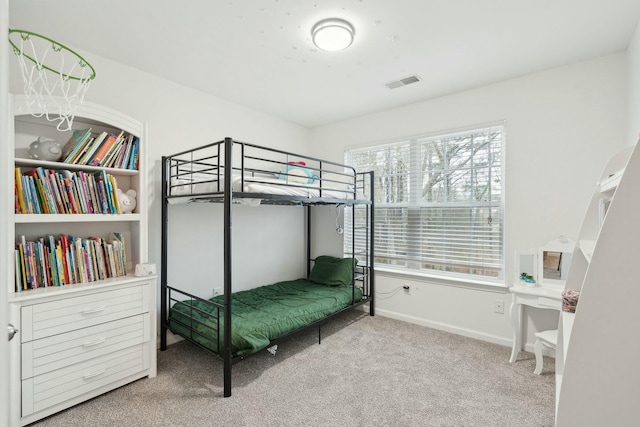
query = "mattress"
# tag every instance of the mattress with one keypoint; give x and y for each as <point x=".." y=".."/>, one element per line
<point x="263" y="185"/>
<point x="260" y="315"/>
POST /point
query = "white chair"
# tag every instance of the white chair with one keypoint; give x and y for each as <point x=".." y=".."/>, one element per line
<point x="548" y="339"/>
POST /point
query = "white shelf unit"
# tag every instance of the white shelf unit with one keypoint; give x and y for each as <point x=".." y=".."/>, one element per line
<point x="80" y="340"/>
<point x="597" y="380"/>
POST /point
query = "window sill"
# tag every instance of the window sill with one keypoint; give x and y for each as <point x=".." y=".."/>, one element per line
<point x="496" y="285"/>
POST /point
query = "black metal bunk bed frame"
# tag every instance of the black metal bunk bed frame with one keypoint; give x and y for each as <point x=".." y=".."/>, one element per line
<point x="210" y="165"/>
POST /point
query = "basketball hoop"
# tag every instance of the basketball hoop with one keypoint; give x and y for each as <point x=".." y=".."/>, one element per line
<point x="55" y="77"/>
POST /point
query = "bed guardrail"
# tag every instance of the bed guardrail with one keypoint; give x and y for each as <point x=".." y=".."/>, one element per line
<point x="272" y="175"/>
<point x="193" y="323"/>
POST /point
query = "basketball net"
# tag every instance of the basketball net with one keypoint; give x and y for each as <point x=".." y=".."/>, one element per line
<point x="55" y="77"/>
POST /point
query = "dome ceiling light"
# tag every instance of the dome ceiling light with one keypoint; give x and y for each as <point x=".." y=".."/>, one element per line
<point x="332" y="34"/>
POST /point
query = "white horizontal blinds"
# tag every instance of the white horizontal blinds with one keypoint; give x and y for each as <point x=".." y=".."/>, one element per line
<point x="391" y="166"/>
<point x="438" y="201"/>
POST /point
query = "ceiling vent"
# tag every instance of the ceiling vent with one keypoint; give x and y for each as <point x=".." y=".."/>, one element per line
<point x="403" y="82"/>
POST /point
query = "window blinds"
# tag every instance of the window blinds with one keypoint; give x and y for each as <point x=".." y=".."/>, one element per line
<point x="438" y="202"/>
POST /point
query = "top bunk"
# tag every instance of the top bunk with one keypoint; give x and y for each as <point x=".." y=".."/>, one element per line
<point x="250" y="174"/>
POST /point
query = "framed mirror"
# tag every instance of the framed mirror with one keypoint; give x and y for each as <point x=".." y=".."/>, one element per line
<point x="554" y="259"/>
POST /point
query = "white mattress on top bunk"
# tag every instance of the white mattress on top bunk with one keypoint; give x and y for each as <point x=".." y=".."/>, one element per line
<point x="266" y="185"/>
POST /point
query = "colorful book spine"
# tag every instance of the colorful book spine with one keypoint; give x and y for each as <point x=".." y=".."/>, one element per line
<point x="48" y="261"/>
<point x="95" y="145"/>
<point x="75" y="144"/>
<point x="20" y="191"/>
<point x="42" y="191"/>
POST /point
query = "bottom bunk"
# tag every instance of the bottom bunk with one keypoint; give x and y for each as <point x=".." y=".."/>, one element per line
<point x="260" y="316"/>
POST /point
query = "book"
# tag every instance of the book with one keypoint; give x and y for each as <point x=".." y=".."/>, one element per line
<point x="63" y="193"/>
<point x="122" y="154"/>
<point x="67" y="182"/>
<point x="38" y="193"/>
<point x="84" y="180"/>
<point x="43" y="260"/>
<point x="120" y="238"/>
<point x="95" y="145"/>
<point x="53" y="254"/>
<point x="100" y="154"/>
<point x="75" y="159"/>
<point x="20" y="191"/>
<point x="27" y="194"/>
<point x="33" y="194"/>
<point x="113" y="150"/>
<point x="75" y="144"/>
<point x="60" y="260"/>
<point x="114" y="193"/>
<point x="133" y="156"/>
<point x="64" y="245"/>
<point x="18" y="269"/>
<point x="55" y="188"/>
<point x="46" y="190"/>
<point x="48" y="261"/>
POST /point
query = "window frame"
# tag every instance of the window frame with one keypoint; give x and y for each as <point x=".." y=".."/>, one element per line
<point x="415" y="185"/>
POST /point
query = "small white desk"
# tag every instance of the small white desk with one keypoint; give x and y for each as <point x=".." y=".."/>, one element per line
<point x="541" y="296"/>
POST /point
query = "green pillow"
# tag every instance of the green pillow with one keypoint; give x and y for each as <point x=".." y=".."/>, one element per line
<point x="329" y="270"/>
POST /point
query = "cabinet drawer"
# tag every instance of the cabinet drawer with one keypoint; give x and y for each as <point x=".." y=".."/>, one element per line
<point x="59" y="351"/>
<point x="57" y="317"/>
<point x="56" y="387"/>
<point x="545" y="302"/>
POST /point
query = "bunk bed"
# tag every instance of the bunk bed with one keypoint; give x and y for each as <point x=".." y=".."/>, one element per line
<point x="234" y="326"/>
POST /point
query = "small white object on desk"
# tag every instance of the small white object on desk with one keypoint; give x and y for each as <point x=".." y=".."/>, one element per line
<point x="143" y="270"/>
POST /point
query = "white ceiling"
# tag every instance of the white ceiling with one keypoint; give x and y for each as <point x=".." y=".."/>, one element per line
<point x="258" y="53"/>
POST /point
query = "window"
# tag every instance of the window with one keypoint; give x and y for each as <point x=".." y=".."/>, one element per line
<point x="439" y="204"/>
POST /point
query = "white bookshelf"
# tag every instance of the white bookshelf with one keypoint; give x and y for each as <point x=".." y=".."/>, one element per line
<point x="92" y="336"/>
<point x="597" y="380"/>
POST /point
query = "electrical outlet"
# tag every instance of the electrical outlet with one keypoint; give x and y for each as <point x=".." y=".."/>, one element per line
<point x="407" y="289"/>
<point x="498" y="306"/>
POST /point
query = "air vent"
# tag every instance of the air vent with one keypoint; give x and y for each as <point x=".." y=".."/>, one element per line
<point x="403" y="82"/>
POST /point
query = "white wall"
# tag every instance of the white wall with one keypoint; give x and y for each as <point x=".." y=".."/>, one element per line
<point x="562" y="125"/>
<point x="179" y="118"/>
<point x="633" y="61"/>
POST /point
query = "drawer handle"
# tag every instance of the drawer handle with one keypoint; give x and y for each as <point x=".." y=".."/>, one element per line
<point x="93" y="310"/>
<point x="94" y="342"/>
<point x="95" y="374"/>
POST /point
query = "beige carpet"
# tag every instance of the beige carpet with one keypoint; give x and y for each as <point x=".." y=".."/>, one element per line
<point x="368" y="371"/>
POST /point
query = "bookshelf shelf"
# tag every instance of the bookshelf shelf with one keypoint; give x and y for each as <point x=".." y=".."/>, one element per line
<point x="74" y="167"/>
<point x="75" y="218"/>
<point x="71" y="290"/>
<point x="88" y="287"/>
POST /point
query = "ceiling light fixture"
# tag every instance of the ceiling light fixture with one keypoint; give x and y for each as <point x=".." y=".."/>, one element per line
<point x="332" y="34"/>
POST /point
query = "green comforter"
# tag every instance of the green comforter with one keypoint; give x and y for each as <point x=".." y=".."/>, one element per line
<point x="262" y="314"/>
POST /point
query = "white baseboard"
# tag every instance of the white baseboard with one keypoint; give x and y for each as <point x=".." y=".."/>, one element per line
<point x="459" y="331"/>
<point x="445" y="327"/>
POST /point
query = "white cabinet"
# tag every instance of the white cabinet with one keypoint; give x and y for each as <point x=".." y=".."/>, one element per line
<point x="597" y="378"/>
<point x="77" y="341"/>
